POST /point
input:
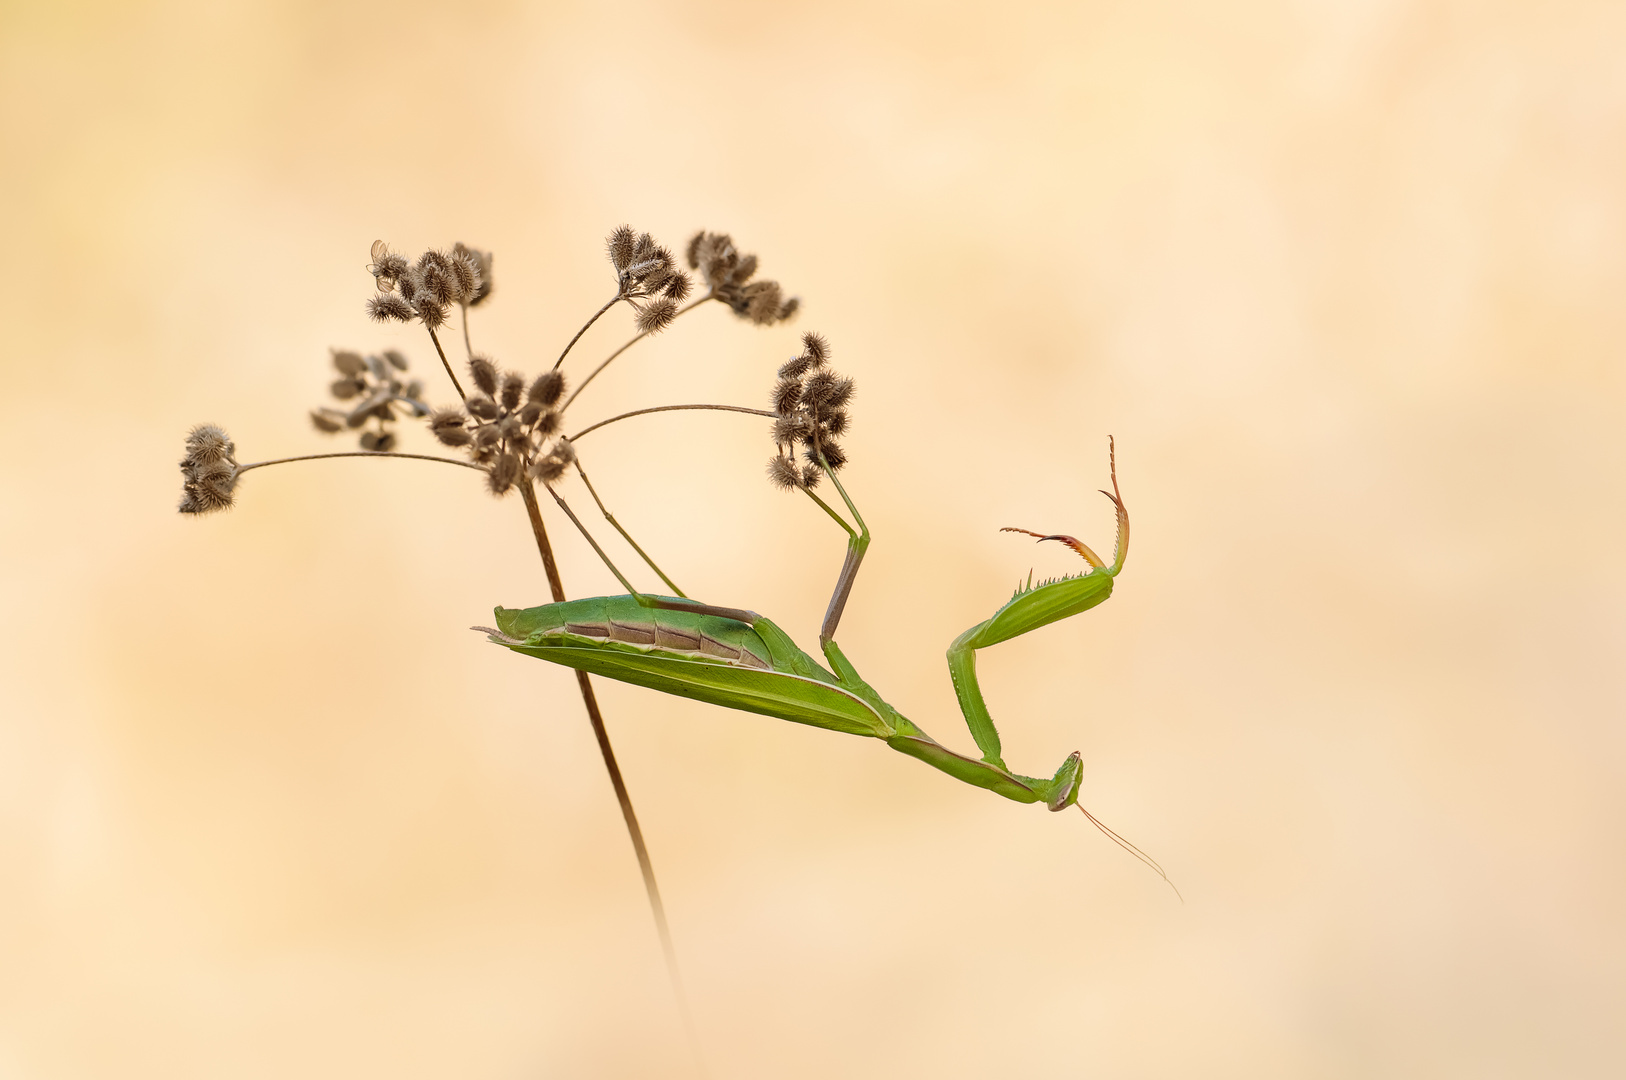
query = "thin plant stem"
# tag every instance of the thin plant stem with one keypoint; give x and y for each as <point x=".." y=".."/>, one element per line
<point x="467" y="348"/>
<point x="613" y="301"/>
<point x="625" y="535"/>
<point x="672" y="408"/>
<point x="837" y="518"/>
<point x="583" y="384"/>
<point x="446" y="364"/>
<point x="241" y="469"/>
<point x="596" y="719"/>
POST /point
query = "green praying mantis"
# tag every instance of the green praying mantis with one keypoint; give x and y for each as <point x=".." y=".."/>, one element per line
<point x="738" y="659"/>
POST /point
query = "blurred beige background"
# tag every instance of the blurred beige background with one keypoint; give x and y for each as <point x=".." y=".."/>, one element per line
<point x="1345" y="281"/>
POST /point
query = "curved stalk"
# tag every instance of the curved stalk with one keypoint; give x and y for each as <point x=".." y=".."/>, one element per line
<point x="241" y="469"/>
<point x="671" y="408"/>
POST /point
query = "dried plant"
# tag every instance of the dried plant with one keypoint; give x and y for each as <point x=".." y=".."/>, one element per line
<point x="507" y="425"/>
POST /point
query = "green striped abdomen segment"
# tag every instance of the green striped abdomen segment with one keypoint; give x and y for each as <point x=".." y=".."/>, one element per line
<point x="703" y="657"/>
<point x="610" y="621"/>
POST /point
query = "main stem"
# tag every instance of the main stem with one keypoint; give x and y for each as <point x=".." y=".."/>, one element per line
<point x="594" y="717"/>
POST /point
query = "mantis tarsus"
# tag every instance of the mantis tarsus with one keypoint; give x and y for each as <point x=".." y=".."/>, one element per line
<point x="740" y="660"/>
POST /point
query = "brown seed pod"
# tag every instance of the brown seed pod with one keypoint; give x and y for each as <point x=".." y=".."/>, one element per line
<point x="387" y="306"/>
<point x="345" y="389"/>
<point x="326" y="422"/>
<point x="484" y="373"/>
<point x="656" y="315"/>
<point x="787" y="394"/>
<point x="482" y="406"/>
<point x="348" y="363"/>
<point x="782" y="472"/>
<point x="547" y="388"/>
<point x="795" y="367"/>
<point x="513" y="387"/>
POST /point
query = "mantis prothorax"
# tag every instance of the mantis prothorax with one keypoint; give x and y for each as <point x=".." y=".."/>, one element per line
<point x="740" y="660"/>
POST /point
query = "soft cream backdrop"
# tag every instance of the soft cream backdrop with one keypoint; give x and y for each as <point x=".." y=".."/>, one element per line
<point x="1344" y="279"/>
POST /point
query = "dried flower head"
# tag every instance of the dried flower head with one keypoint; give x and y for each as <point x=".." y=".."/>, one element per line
<point x="480" y="261"/>
<point x="373" y="390"/>
<point x="647" y="276"/>
<point x="388" y="307"/>
<point x="208" y="471"/>
<point x="810" y="405"/>
<point x="728" y="273"/>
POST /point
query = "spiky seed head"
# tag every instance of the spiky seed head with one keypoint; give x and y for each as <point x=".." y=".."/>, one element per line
<point x="790" y="429"/>
<point x="816" y="346"/>
<point x="841" y="392"/>
<point x="439" y="283"/>
<point x="789" y="308"/>
<point x="379" y="250"/>
<point x="833" y="423"/>
<point x="453" y="436"/>
<point x="482" y="406"/>
<point x="511" y="426"/>
<point x="430" y="311"/>
<point x="482" y="265"/>
<point x="742" y="271"/>
<point x="433" y="258"/>
<point x="345" y="389"/>
<point x="547" y="388"/>
<point x="348" y="363"/>
<point x="834" y="456"/>
<point x="782" y="472"/>
<point x="677" y="286"/>
<point x="208" y="487"/>
<point x="484" y="373"/>
<point x="504" y="471"/>
<point x="208" y="471"/>
<point x="787" y="394"/>
<point x="656" y="315"/>
<point x="386" y="307"/>
<point x="207" y="444"/>
<point x="762" y="301"/>
<point x="484" y="455"/>
<point x="531" y="413"/>
<point x="693" y="251"/>
<point x="513" y="388"/>
<point x="795" y="367"/>
<point x="466" y="274"/>
<point x="621" y="244"/>
<point x="820" y="385"/>
<point x="325" y="422"/>
<point x="487" y="436"/>
<point x="446" y="419"/>
<point x="390" y="268"/>
<point x="811" y="475"/>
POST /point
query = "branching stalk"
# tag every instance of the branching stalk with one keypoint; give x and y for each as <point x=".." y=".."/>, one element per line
<point x="583" y="384"/>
